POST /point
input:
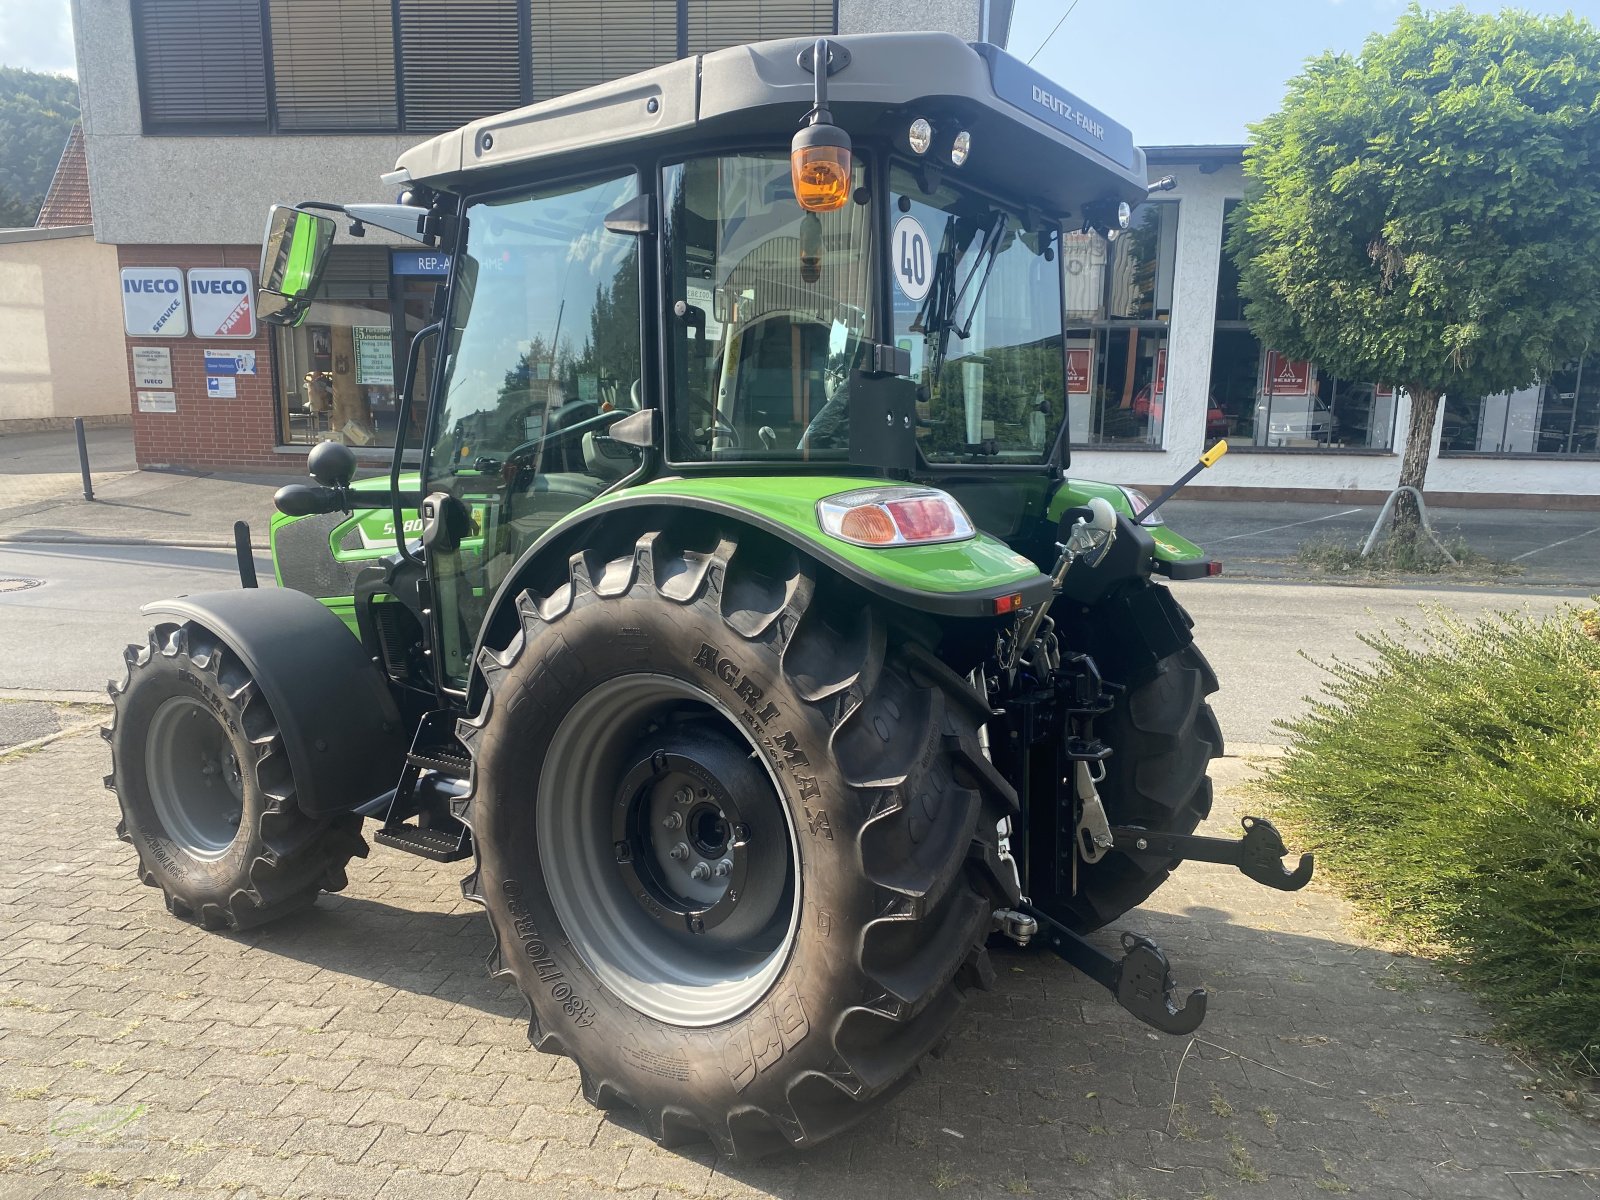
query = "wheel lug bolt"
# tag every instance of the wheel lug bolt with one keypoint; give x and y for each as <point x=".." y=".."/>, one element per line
<point x="673" y="820"/>
<point x="622" y="852"/>
<point x="724" y="869"/>
<point x="701" y="871"/>
<point x="680" y="851"/>
<point x="682" y="796"/>
<point x="741" y="834"/>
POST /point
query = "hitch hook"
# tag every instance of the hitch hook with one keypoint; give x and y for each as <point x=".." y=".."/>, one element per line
<point x="1258" y="855"/>
<point x="1141" y="980"/>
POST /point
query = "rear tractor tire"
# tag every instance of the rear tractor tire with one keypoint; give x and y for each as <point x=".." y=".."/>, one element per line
<point x="1163" y="736"/>
<point x="206" y="792"/>
<point x="724" y="818"/>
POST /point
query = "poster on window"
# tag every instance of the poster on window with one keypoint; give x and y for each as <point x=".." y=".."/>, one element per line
<point x="1159" y="385"/>
<point x="1287" y="376"/>
<point x="1080" y="371"/>
<point x="374" y="355"/>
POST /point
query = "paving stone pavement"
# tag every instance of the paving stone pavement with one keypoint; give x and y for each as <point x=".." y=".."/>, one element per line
<point x="359" y="1050"/>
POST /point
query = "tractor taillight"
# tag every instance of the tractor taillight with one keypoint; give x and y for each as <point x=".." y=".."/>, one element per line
<point x="894" y="516"/>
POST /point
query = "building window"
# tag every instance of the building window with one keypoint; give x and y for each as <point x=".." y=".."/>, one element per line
<point x="339" y="370"/>
<point x="422" y="66"/>
<point x="1119" y="301"/>
<point x="1558" y="416"/>
<point x="578" y="45"/>
<point x="460" y="61"/>
<point x="333" y="67"/>
<point x="1259" y="398"/>
<point x="202" y="66"/>
<point x="715" y="24"/>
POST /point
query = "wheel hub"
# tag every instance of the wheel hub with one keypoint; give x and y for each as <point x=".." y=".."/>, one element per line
<point x="683" y="842"/>
<point x="194" y="776"/>
<point x="666" y="849"/>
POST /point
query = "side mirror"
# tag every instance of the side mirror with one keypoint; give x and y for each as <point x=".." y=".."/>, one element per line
<point x="293" y="254"/>
<point x="332" y="464"/>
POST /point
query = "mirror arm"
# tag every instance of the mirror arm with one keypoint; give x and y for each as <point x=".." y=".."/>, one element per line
<point x="403" y="419"/>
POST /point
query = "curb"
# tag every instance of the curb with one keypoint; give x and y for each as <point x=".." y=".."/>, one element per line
<point x="27" y="539"/>
<point x="48" y="738"/>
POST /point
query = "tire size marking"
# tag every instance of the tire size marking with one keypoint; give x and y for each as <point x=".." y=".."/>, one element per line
<point x="538" y="954"/>
<point x="774" y="1029"/>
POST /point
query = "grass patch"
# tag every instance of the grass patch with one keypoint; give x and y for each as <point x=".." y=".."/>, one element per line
<point x="1401" y="556"/>
<point x="1450" y="788"/>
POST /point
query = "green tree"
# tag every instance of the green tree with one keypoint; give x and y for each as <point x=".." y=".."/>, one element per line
<point x="37" y="111"/>
<point x="1427" y="213"/>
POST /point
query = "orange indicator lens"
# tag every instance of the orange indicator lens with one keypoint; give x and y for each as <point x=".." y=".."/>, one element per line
<point x="869" y="524"/>
<point x="821" y="177"/>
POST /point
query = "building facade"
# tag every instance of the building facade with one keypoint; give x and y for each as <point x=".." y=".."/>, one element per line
<point x="199" y="114"/>
<point x="1173" y="366"/>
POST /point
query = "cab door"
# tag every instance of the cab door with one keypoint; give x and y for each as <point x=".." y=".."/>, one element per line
<point x="542" y="355"/>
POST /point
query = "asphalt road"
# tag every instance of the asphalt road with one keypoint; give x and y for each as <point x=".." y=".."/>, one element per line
<point x="1265" y="637"/>
<point x="66" y="635"/>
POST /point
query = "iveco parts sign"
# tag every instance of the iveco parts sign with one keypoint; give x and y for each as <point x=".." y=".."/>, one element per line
<point x="153" y="302"/>
<point x="220" y="302"/>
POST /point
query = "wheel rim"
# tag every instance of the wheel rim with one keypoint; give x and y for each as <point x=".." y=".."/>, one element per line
<point x="194" y="778"/>
<point x="667" y="851"/>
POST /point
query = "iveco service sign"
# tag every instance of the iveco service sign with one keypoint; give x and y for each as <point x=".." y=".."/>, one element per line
<point x="1022" y="87"/>
<point x="153" y="302"/>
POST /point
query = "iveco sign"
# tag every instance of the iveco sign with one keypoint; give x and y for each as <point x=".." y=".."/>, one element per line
<point x="221" y="302"/>
<point x="1022" y="87"/>
<point x="153" y="302"/>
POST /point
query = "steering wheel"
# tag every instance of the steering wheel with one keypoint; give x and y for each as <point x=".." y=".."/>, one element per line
<point x="598" y="421"/>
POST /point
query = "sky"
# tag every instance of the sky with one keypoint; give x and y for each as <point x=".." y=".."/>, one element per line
<point x="1173" y="71"/>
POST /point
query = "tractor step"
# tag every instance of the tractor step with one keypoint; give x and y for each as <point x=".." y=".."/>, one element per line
<point x="456" y="766"/>
<point x="1140" y="981"/>
<point x="441" y="845"/>
<point x="1258" y="855"/>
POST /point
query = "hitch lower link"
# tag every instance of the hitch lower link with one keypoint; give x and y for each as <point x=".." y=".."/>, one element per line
<point x="1141" y="981"/>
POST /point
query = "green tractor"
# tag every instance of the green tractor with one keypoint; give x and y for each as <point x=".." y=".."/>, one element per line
<point x="742" y="623"/>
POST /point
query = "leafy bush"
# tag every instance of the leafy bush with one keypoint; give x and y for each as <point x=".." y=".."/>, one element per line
<point x="1452" y="788"/>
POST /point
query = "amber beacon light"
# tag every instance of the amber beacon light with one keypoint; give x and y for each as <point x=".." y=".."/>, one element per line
<point x="819" y="156"/>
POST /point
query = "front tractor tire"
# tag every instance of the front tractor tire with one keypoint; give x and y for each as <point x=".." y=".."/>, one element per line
<point x="725" y="820"/>
<point x="207" y="796"/>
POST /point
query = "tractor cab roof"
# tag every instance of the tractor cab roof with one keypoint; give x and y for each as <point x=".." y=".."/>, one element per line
<point x="1029" y="136"/>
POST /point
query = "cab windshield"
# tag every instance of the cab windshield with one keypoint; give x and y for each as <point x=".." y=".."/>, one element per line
<point x="769" y="308"/>
<point x="977" y="304"/>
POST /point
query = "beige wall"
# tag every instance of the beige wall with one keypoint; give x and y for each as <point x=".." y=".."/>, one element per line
<point x="61" y="347"/>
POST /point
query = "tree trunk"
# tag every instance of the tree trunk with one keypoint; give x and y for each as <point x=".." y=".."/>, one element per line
<point x="1414" y="462"/>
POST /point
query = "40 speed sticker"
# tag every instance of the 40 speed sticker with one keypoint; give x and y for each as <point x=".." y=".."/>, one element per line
<point x="913" y="257"/>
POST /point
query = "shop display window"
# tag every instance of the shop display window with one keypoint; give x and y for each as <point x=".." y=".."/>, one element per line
<point x="340" y="370"/>
<point x="1558" y="416"/>
<point x="1259" y="398"/>
<point x="1119" y="302"/>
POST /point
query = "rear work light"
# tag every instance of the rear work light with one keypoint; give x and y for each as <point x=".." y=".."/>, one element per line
<point x="894" y="516"/>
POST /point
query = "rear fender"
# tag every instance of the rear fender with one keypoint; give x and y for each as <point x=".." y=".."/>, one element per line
<point x="341" y="729"/>
<point x="953" y="580"/>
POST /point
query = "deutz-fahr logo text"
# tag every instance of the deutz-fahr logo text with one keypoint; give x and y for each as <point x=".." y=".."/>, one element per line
<point x="1063" y="109"/>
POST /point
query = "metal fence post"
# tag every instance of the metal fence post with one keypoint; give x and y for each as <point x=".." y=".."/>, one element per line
<point x="83" y="458"/>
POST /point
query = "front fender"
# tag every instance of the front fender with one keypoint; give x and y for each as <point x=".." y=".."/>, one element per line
<point x="341" y="729"/>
